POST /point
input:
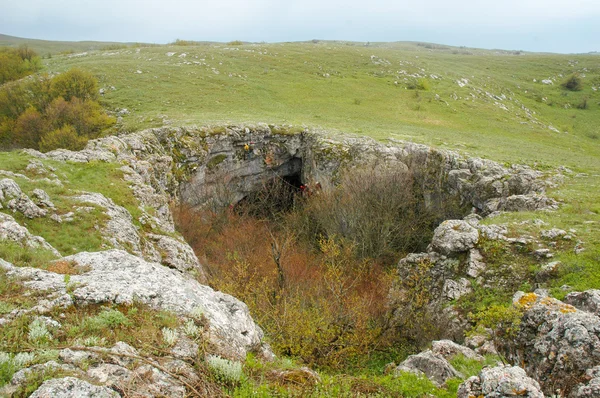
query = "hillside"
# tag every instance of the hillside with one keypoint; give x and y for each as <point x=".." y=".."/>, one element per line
<point x="48" y="47"/>
<point x="266" y="222"/>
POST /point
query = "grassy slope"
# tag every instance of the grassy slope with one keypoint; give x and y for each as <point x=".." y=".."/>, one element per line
<point x="45" y="47"/>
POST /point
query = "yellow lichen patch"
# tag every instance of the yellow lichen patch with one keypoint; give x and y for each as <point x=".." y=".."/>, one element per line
<point x="528" y="300"/>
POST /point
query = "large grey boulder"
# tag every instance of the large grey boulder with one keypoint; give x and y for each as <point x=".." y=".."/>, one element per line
<point x="434" y="366"/>
<point x="71" y="387"/>
<point x="454" y="236"/>
<point x="115" y="276"/>
<point x="556" y="343"/>
<point x="498" y="382"/>
<point x="13" y="198"/>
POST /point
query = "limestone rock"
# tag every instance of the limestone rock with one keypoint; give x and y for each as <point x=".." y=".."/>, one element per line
<point x="453" y="290"/>
<point x="116" y="276"/>
<point x="42" y="199"/>
<point x="588" y="301"/>
<point x="454" y="236"/>
<point x="71" y="387"/>
<point x="119" y="231"/>
<point x="500" y="381"/>
<point x="10" y="230"/>
<point x="449" y="349"/>
<point x="12" y="197"/>
<point x="433" y="366"/>
<point x="557" y="342"/>
<point x="591" y="388"/>
<point x="177" y="254"/>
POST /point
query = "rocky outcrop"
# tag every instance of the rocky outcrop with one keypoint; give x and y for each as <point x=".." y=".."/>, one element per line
<point x="588" y="301"/>
<point x="14" y="199"/>
<point x="556" y="343"/>
<point x="500" y="381"/>
<point x="118" y="277"/>
<point x="71" y="387"/>
<point x="12" y="231"/>
<point x="454" y="236"/>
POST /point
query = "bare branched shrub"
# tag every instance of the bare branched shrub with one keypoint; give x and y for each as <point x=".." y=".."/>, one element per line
<point x="378" y="209"/>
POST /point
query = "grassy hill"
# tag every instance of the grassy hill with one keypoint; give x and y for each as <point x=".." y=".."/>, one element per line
<point x="487" y="103"/>
<point x="47" y="47"/>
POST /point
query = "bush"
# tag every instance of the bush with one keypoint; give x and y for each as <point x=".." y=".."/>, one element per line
<point x="17" y="63"/>
<point x="65" y="137"/>
<point x="75" y="83"/>
<point x="377" y="209"/>
<point x="573" y="83"/>
<point x="226" y="371"/>
<point x="46" y="107"/>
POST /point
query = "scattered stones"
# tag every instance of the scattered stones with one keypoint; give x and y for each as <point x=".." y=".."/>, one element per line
<point x="553" y="233"/>
<point x="500" y="381"/>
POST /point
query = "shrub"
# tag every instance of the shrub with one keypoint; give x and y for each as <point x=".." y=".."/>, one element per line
<point x="169" y="336"/>
<point x="38" y="332"/>
<point x="65" y="137"/>
<point x="75" y="83"/>
<point x="17" y="63"/>
<point x="573" y="83"/>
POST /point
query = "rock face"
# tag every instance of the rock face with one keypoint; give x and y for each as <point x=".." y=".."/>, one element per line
<point x="556" y="342"/>
<point x="71" y="387"/>
<point x="116" y="276"/>
<point x="500" y="381"/>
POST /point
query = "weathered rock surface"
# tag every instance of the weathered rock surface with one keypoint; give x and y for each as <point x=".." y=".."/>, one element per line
<point x="588" y="301"/>
<point x="449" y="349"/>
<point x="12" y="231"/>
<point x="454" y="236"/>
<point x="500" y="381"/>
<point x="176" y="254"/>
<point x="116" y="276"/>
<point x="71" y="387"/>
<point x="13" y="198"/>
<point x="434" y="366"/>
<point x="556" y="342"/>
<point x="591" y="388"/>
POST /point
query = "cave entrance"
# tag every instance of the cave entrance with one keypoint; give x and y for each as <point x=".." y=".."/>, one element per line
<point x="275" y="194"/>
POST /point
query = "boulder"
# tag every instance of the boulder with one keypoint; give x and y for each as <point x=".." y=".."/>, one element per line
<point x="556" y="342"/>
<point x="435" y="367"/>
<point x="500" y="381"/>
<point x="12" y="197"/>
<point x="454" y="236"/>
<point x="449" y="349"/>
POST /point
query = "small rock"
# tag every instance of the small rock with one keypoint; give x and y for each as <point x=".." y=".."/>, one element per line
<point x="454" y="236"/>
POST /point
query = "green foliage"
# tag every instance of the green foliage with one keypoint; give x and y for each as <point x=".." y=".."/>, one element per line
<point x="225" y="370"/>
<point x="44" y="108"/>
<point x="65" y="137"/>
<point x="75" y="83"/>
<point x="16" y="63"/>
<point x="573" y="83"/>
<point x="109" y="318"/>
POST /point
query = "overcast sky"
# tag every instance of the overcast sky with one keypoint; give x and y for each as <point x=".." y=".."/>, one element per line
<point x="533" y="25"/>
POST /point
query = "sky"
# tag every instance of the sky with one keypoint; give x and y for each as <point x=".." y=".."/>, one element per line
<point x="565" y="26"/>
